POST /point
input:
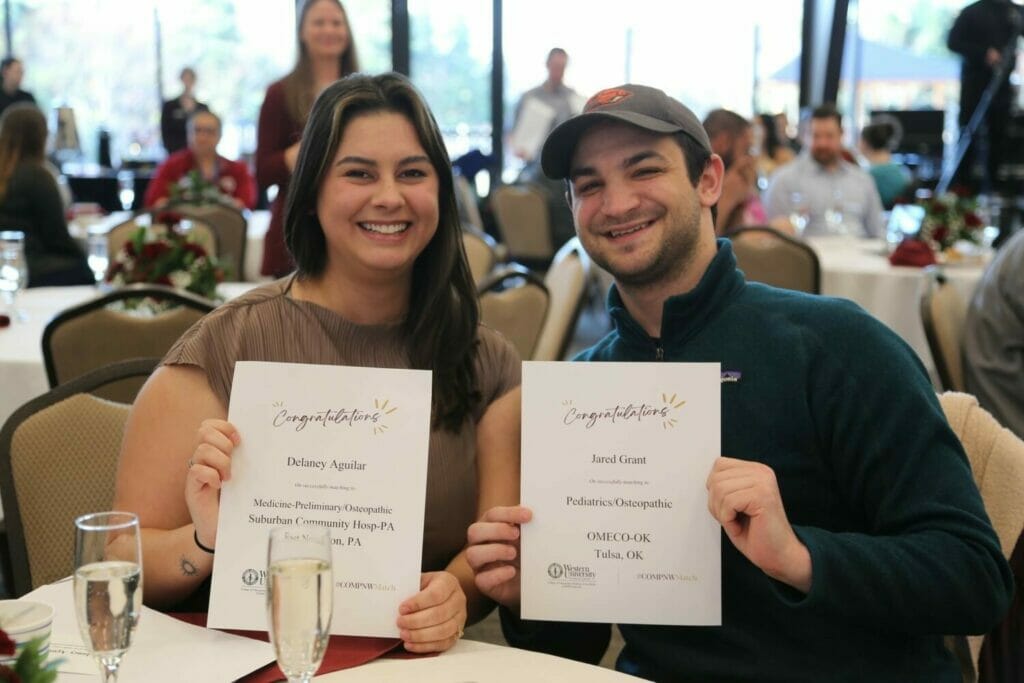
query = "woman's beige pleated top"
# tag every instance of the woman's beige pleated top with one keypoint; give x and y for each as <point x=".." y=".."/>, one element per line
<point x="267" y="324"/>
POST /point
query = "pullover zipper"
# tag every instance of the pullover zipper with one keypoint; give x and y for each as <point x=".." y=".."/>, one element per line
<point x="659" y="351"/>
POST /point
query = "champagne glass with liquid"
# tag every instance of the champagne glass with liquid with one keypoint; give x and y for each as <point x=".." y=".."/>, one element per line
<point x="300" y="598"/>
<point x="108" y="585"/>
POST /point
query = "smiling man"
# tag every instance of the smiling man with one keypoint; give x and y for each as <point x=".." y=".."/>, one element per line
<point x="855" y="535"/>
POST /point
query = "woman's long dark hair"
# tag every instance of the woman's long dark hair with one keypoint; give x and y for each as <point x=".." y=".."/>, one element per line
<point x="441" y="324"/>
<point x="299" y="91"/>
<point x="22" y="138"/>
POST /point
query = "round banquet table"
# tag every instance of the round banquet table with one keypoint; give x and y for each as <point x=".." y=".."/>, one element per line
<point x="471" y="661"/>
<point x="859" y="270"/>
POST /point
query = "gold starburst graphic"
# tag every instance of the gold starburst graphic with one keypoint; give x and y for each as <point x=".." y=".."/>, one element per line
<point x="671" y="404"/>
<point x="382" y="405"/>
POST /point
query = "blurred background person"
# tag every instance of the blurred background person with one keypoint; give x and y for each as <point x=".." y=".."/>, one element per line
<point x="327" y="52"/>
<point x="176" y="112"/>
<point x="994" y="337"/>
<point x="983" y="35"/>
<point x="732" y="138"/>
<point x="834" y="196"/>
<point x="877" y="140"/>
<point x="775" y="150"/>
<point x="12" y="72"/>
<point x="539" y="110"/>
<point x="231" y="178"/>
<point x="31" y="203"/>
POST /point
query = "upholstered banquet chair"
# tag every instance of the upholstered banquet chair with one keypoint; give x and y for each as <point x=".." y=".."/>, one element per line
<point x="229" y="229"/>
<point x="521" y="213"/>
<point x="567" y="281"/>
<point x="92" y="334"/>
<point x="58" y="457"/>
<point x="943" y="313"/>
<point x="481" y="252"/>
<point x="766" y="255"/>
<point x="514" y="301"/>
<point x="997" y="463"/>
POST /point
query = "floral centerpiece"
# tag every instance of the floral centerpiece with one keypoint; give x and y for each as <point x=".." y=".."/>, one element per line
<point x="950" y="218"/>
<point x="30" y="666"/>
<point x="193" y="188"/>
<point x="169" y="257"/>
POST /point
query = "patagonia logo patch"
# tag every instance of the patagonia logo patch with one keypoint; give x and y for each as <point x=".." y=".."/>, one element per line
<point x="731" y="376"/>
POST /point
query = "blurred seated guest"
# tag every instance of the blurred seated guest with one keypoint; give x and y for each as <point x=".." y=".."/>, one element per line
<point x="994" y="337"/>
<point x="31" y="203"/>
<point x="835" y="196"/>
<point x="775" y="150"/>
<point x="231" y="179"/>
<point x="732" y="138"/>
<point x="176" y="112"/>
<point x="11" y="72"/>
<point x="382" y="281"/>
<point x="877" y="141"/>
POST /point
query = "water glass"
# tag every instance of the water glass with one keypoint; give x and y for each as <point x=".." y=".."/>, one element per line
<point x="13" y="268"/>
<point x="834" y="217"/>
<point x="108" y="585"/>
<point x="799" y="212"/>
<point x="99" y="258"/>
<point x="300" y="598"/>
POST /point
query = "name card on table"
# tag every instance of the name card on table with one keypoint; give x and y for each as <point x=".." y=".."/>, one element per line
<point x="614" y="462"/>
<point x="336" y="447"/>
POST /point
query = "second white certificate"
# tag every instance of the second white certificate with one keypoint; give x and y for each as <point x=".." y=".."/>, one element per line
<point x="614" y="462"/>
<point x="341" y="448"/>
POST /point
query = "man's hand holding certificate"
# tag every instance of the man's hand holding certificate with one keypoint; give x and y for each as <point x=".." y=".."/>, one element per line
<point x="335" y="447"/>
<point x="615" y="460"/>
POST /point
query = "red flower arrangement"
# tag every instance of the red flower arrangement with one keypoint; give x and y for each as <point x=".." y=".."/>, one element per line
<point x="950" y="218"/>
<point x="165" y="255"/>
<point x="30" y="666"/>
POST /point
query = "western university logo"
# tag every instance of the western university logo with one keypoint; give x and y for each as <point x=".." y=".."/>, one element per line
<point x="555" y="570"/>
<point x="250" y="577"/>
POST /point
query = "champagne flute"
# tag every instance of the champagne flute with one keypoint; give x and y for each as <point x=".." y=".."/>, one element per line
<point x="300" y="598"/>
<point x="108" y="585"/>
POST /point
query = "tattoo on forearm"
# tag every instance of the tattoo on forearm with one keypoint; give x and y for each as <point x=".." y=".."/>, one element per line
<point x="187" y="567"/>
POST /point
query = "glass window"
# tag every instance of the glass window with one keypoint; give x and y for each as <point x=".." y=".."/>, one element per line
<point x="104" y="68"/>
<point x="450" y="62"/>
<point x="896" y="58"/>
<point x="670" y="46"/>
<point x="370" y="22"/>
<point x="236" y="52"/>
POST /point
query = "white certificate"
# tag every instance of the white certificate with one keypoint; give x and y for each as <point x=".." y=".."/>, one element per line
<point x="615" y="458"/>
<point x="532" y="127"/>
<point x="337" y="447"/>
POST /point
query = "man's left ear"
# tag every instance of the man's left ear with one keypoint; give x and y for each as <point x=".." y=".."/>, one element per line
<point x="709" y="188"/>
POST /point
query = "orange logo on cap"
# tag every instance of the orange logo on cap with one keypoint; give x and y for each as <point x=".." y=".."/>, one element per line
<point x="606" y="97"/>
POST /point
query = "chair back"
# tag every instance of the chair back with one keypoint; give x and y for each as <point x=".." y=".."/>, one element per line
<point x="481" y="253"/>
<point x="230" y="231"/>
<point x="766" y="255"/>
<point x="199" y="231"/>
<point x="943" y="313"/>
<point x="91" y="335"/>
<point x="997" y="463"/>
<point x="467" y="201"/>
<point x="521" y="213"/>
<point x="567" y="280"/>
<point x="514" y="301"/>
<point x="58" y="459"/>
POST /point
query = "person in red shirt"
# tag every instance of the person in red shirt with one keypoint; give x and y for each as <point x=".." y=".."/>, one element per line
<point x="231" y="178"/>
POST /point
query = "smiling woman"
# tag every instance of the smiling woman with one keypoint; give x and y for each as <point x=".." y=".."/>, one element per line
<point x="382" y="281"/>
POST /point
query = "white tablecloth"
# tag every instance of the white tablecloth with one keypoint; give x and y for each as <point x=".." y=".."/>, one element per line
<point x="473" y="661"/>
<point x="859" y="270"/>
<point x="22" y="373"/>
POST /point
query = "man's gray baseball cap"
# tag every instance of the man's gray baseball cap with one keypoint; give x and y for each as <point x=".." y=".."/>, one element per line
<point x="638" y="105"/>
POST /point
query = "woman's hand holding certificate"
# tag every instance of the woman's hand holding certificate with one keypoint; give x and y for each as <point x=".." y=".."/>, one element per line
<point x="208" y="469"/>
